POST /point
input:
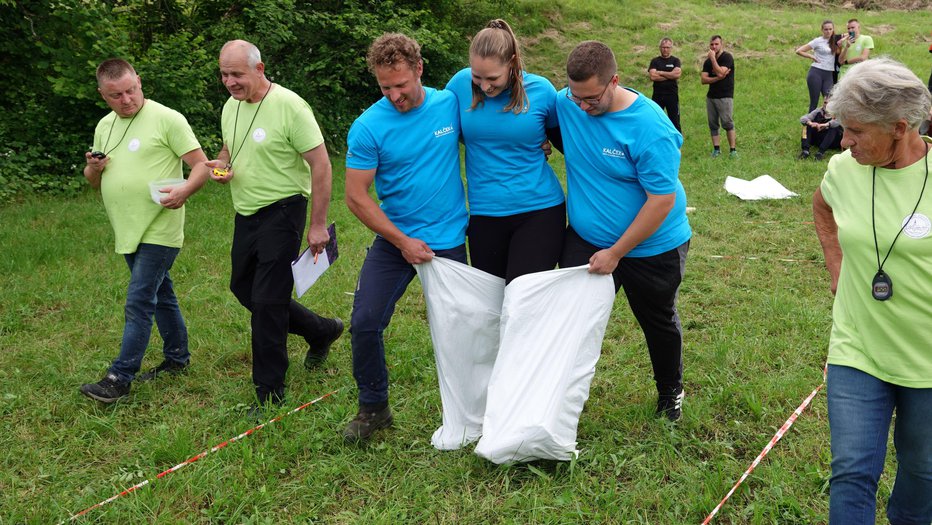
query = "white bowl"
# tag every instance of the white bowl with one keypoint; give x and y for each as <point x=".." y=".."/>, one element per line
<point x="155" y="186"/>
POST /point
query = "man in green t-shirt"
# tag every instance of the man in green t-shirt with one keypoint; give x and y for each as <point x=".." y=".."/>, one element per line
<point x="138" y="143"/>
<point x="273" y="154"/>
<point x="856" y="47"/>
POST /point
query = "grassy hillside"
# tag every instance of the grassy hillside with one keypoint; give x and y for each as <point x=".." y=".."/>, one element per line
<point x="756" y="319"/>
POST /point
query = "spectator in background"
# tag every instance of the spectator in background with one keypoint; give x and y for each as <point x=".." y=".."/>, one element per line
<point x="665" y="71"/>
<point x="821" y="50"/>
<point x="857" y="47"/>
<point x="930" y="74"/>
<point x="718" y="71"/>
<point x="821" y="129"/>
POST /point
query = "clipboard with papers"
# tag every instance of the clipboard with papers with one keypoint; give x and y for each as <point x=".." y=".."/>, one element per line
<point x="308" y="268"/>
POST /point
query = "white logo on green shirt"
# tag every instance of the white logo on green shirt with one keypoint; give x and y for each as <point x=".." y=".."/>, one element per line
<point x="918" y="226"/>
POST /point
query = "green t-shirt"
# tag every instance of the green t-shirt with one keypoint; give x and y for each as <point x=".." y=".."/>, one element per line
<point x="266" y="152"/>
<point x="860" y="43"/>
<point x="892" y="339"/>
<point x="141" y="150"/>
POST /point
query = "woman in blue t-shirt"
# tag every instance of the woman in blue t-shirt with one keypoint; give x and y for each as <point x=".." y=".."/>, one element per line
<point x="516" y="204"/>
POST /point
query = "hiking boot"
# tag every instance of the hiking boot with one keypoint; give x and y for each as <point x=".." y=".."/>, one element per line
<point x="107" y="390"/>
<point x="365" y="423"/>
<point x="319" y="349"/>
<point x="820" y="155"/>
<point x="166" y="367"/>
<point x="716" y="153"/>
<point x="803" y="155"/>
<point x="670" y="405"/>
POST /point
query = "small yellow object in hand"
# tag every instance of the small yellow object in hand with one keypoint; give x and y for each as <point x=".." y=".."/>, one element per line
<point x="221" y="172"/>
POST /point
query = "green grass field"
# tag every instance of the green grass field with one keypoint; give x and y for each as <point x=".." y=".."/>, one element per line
<point x="756" y="336"/>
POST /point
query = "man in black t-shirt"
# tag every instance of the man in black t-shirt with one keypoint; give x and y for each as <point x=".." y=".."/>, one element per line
<point x="718" y="71"/>
<point x="665" y="70"/>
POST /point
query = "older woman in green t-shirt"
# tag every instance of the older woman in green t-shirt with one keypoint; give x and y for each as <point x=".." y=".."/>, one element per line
<point x="880" y="262"/>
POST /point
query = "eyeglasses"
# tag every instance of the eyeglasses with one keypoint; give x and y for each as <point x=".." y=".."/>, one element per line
<point x="588" y="100"/>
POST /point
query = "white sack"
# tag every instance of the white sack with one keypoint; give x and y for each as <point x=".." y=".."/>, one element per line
<point x="763" y="187"/>
<point x="551" y="338"/>
<point x="464" y="309"/>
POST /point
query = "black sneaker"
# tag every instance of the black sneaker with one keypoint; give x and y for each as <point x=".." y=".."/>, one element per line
<point x="319" y="349"/>
<point x="819" y="155"/>
<point x="670" y="405"/>
<point x="166" y="367"/>
<point x="107" y="390"/>
<point x="365" y="423"/>
<point x="803" y="155"/>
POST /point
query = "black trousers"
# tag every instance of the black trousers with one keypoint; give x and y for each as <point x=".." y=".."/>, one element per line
<point x="651" y="285"/>
<point x="829" y="138"/>
<point x="671" y="103"/>
<point x="514" y="245"/>
<point x="264" y="244"/>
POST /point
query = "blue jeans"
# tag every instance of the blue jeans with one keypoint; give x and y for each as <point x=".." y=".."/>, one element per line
<point x="860" y="408"/>
<point x="149" y="294"/>
<point x="383" y="279"/>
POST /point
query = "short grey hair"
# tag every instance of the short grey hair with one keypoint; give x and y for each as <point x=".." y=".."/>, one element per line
<point x="880" y="91"/>
<point x="665" y="39"/>
<point x="253" y="56"/>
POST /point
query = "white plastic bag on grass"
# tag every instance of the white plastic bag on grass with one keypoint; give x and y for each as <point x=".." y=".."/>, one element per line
<point x="464" y="309"/>
<point x="551" y="338"/>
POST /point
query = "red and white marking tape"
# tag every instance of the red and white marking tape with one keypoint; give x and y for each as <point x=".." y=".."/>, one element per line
<point x="786" y="426"/>
<point x="752" y="258"/>
<point x="197" y="457"/>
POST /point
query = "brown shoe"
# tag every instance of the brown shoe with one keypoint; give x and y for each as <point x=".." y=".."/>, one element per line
<point x="365" y="423"/>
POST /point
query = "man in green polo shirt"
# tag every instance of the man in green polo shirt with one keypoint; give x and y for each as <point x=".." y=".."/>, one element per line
<point x="273" y="154"/>
<point x="139" y="142"/>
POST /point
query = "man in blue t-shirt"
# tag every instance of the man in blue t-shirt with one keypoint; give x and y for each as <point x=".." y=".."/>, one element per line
<point x="407" y="143"/>
<point x="626" y="205"/>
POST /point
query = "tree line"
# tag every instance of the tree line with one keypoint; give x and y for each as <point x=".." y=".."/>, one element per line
<point x="49" y="50"/>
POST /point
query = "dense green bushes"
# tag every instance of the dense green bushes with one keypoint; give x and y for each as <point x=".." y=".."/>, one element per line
<point x="49" y="49"/>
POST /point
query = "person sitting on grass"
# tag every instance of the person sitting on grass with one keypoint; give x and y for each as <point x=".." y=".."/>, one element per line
<point x="819" y="127"/>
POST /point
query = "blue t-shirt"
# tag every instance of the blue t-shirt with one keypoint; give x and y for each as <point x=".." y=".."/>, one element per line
<point x="611" y="161"/>
<point x="506" y="170"/>
<point x="416" y="156"/>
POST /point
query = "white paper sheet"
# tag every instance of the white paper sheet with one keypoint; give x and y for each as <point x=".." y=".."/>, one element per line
<point x="763" y="187"/>
<point x="306" y="271"/>
<point x="307" y="268"/>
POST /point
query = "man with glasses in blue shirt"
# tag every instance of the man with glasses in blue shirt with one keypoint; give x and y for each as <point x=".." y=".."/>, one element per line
<point x="626" y="205"/>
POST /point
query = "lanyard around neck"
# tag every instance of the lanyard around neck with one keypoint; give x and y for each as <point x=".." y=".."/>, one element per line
<point x="916" y="207"/>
